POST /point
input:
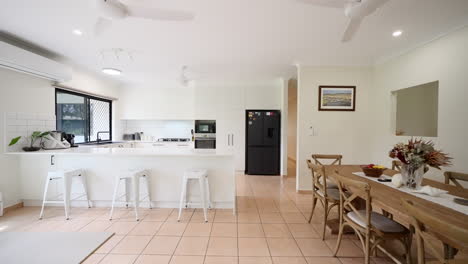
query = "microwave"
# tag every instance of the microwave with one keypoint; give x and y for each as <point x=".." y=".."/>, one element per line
<point x="205" y="143"/>
<point x="205" y="126"/>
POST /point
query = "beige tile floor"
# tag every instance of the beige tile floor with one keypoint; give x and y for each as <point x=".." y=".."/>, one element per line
<point x="270" y="228"/>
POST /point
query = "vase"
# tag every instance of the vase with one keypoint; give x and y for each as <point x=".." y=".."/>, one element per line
<point x="412" y="176"/>
<point x="31" y="149"/>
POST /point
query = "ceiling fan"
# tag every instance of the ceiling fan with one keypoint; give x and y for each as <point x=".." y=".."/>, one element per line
<point x="110" y="10"/>
<point x="355" y="10"/>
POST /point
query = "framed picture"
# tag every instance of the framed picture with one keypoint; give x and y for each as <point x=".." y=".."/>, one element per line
<point x="337" y="98"/>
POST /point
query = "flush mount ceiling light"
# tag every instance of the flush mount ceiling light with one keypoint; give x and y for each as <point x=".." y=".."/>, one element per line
<point x="111" y="71"/>
<point x="77" y="32"/>
<point x="397" y="33"/>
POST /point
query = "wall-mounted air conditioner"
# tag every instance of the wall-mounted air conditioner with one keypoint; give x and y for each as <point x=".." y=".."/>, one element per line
<point x="17" y="59"/>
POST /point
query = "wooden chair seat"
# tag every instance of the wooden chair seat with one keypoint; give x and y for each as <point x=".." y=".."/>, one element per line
<point x="332" y="194"/>
<point x="378" y="221"/>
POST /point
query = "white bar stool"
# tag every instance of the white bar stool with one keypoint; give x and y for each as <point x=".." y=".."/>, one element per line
<point x="67" y="177"/>
<point x="201" y="175"/>
<point x="132" y="179"/>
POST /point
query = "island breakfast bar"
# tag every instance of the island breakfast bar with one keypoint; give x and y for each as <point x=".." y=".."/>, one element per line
<point x="102" y="165"/>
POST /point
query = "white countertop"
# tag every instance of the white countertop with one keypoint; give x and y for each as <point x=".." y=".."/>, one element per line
<point x="127" y="152"/>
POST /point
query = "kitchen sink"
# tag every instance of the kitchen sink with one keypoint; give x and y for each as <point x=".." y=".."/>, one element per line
<point x="101" y="143"/>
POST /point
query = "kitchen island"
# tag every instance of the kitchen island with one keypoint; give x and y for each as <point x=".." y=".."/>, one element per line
<point x="103" y="165"/>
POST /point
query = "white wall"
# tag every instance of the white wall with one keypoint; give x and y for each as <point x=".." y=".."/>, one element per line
<point x="23" y="93"/>
<point x="345" y="133"/>
<point x="444" y="60"/>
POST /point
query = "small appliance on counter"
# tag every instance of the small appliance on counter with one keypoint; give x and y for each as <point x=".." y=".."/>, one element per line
<point x="205" y="134"/>
<point x="129" y="137"/>
<point x="71" y="139"/>
<point x="138" y="135"/>
<point x="55" y="140"/>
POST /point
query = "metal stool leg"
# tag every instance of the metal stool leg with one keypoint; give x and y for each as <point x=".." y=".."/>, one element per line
<point x="182" y="197"/>
<point x="84" y="181"/>
<point x="114" y="197"/>
<point x="128" y="189"/>
<point x="201" y="182"/>
<point x="136" y="194"/>
<point x="44" y="199"/>
<point x="67" y="183"/>
<point x="208" y="195"/>
<point x="148" y="187"/>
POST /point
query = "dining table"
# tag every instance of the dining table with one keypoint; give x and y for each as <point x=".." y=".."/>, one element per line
<point x="389" y="198"/>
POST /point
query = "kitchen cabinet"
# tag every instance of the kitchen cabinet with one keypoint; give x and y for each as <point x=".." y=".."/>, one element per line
<point x="230" y="135"/>
<point x="212" y="99"/>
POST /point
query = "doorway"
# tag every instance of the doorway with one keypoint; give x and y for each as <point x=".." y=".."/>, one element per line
<point x="292" y="127"/>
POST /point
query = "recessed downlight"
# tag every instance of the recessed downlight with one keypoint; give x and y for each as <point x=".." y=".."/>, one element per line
<point x="397" y="33"/>
<point x="111" y="71"/>
<point x="77" y="32"/>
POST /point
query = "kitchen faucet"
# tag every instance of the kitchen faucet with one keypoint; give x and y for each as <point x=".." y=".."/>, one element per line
<point x="98" y="135"/>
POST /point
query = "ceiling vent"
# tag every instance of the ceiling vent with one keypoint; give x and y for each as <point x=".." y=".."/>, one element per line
<point x="17" y="59"/>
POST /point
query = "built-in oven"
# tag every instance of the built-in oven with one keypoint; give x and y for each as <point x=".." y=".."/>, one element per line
<point x="205" y="143"/>
<point x="205" y="126"/>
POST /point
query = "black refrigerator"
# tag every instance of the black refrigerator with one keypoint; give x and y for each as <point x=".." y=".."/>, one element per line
<point x="263" y="142"/>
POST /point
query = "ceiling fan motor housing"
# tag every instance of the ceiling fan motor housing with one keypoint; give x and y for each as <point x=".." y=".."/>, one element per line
<point x="111" y="9"/>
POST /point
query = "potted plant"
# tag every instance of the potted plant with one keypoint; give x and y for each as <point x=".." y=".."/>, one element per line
<point x="36" y="135"/>
<point x="416" y="156"/>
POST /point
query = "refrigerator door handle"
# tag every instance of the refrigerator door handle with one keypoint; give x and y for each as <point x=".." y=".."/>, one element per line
<point x="229" y="139"/>
<point x="232" y="139"/>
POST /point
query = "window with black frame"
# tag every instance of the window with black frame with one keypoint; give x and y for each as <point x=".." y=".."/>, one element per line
<point x="84" y="116"/>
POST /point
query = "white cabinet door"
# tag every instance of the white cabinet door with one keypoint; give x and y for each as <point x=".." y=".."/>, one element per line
<point x="230" y="135"/>
<point x="206" y="102"/>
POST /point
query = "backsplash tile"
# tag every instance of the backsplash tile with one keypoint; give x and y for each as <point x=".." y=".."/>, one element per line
<point x="24" y="124"/>
<point x="155" y="129"/>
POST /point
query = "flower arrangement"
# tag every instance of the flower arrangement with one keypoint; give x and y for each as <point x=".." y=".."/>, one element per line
<point x="416" y="155"/>
<point x="418" y="152"/>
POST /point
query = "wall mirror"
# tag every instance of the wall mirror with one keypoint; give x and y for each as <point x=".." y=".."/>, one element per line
<point x="417" y="110"/>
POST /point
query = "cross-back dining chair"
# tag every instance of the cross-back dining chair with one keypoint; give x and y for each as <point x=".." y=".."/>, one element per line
<point x="335" y="159"/>
<point x="328" y="197"/>
<point x="371" y="227"/>
<point x="425" y="224"/>
<point x="455" y="177"/>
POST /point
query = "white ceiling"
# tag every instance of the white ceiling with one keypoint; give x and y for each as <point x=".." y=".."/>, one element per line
<point x="229" y="37"/>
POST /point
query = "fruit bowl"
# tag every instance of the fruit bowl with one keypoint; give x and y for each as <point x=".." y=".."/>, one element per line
<point x="372" y="170"/>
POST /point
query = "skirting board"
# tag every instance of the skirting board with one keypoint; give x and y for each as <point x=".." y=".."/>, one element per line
<point x="143" y="204"/>
<point x="12" y="207"/>
<point x="304" y="191"/>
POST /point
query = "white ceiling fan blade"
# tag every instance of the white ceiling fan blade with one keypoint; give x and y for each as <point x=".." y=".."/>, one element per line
<point x="102" y="25"/>
<point x="328" y="3"/>
<point x="159" y="14"/>
<point x="351" y="29"/>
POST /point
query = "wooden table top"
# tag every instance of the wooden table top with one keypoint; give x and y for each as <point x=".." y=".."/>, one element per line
<point x="391" y="197"/>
